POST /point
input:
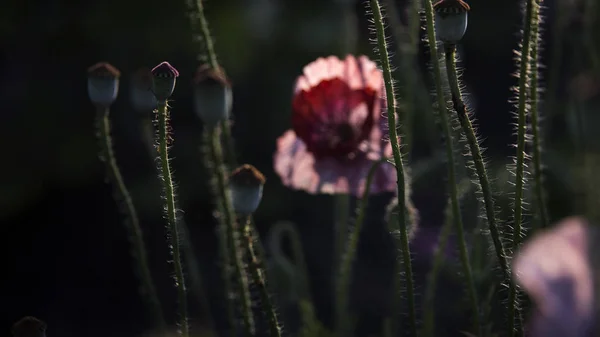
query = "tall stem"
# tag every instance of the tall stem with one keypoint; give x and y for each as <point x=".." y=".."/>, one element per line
<point x="452" y="185"/>
<point x="231" y="232"/>
<point x="524" y="72"/>
<point x="136" y="236"/>
<point x="480" y="169"/>
<point x="540" y="194"/>
<point x="391" y="116"/>
<point x="260" y="280"/>
<point x="341" y="211"/>
<point x="169" y="191"/>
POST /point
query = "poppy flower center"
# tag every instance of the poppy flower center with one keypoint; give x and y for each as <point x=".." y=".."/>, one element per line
<point x="332" y="119"/>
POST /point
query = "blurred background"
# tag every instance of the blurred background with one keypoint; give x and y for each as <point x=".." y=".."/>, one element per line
<point x="65" y="251"/>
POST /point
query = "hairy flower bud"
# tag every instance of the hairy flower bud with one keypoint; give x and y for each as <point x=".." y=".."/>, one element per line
<point x="164" y="77"/>
<point x="451" y="20"/>
<point x="103" y="84"/>
<point x="246" y="185"/>
<point x="212" y="95"/>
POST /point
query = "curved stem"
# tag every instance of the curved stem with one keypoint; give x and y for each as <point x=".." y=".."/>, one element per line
<point x="535" y="124"/>
<point x="349" y="253"/>
<point x="391" y="116"/>
<point x="456" y="215"/>
<point x="520" y="161"/>
<point x="169" y="191"/>
<point x="136" y="236"/>
<point x="260" y="280"/>
<point x="232" y="239"/>
<point x="480" y="169"/>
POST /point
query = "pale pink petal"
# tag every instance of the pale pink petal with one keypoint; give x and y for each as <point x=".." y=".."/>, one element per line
<point x="299" y="170"/>
<point x="554" y="269"/>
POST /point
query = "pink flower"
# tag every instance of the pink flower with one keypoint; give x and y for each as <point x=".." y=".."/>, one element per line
<point x="554" y="269"/>
<point x="337" y="130"/>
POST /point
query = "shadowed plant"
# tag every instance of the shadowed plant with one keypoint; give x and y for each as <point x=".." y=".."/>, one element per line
<point x="103" y="86"/>
<point x="163" y="85"/>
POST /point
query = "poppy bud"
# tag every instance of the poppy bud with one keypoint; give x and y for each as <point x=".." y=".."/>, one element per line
<point x="451" y="20"/>
<point x="246" y="185"/>
<point x="164" y="77"/>
<point x="103" y="84"/>
<point x="212" y="95"/>
<point x="142" y="98"/>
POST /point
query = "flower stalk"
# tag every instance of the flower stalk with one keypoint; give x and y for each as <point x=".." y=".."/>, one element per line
<point x="540" y="193"/>
<point x="391" y="116"/>
<point x="452" y="183"/>
<point x="524" y="75"/>
<point x="163" y="85"/>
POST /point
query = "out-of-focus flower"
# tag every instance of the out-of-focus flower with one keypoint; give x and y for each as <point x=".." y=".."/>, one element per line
<point x="554" y="268"/>
<point x="337" y="129"/>
<point x="451" y="18"/>
<point x="142" y="98"/>
<point x="103" y="84"/>
<point x="212" y="95"/>
<point x="164" y="77"/>
<point x="246" y="184"/>
<point x="29" y="327"/>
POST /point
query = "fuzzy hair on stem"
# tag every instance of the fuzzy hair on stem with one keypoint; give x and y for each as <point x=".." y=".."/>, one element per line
<point x="260" y="280"/>
<point x="231" y="233"/>
<point x="162" y="112"/>
<point x="391" y="116"/>
<point x="452" y="184"/>
<point x="540" y="193"/>
<point x="531" y="8"/>
<point x="132" y="223"/>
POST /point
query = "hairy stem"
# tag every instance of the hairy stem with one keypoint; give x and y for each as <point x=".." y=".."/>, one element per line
<point x="391" y="116"/>
<point x="520" y="160"/>
<point x="347" y="257"/>
<point x="169" y="191"/>
<point x="480" y="169"/>
<point x="452" y="184"/>
<point x="540" y="194"/>
<point x="260" y="280"/>
<point x="231" y="233"/>
<point x="136" y="236"/>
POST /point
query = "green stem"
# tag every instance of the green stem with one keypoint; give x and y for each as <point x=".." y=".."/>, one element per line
<point x="136" y="236"/>
<point x="456" y="215"/>
<point x="438" y="260"/>
<point x="391" y="116"/>
<point x="231" y="232"/>
<point x="169" y="190"/>
<point x="535" y="124"/>
<point x="226" y="272"/>
<point x="480" y="169"/>
<point x="520" y="161"/>
<point x="260" y="280"/>
<point x="341" y="212"/>
<point x="348" y="255"/>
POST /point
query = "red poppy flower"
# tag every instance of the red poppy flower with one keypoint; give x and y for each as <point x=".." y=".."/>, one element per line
<point x="337" y="129"/>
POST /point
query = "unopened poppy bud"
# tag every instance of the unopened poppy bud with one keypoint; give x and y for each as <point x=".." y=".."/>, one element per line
<point x="140" y="93"/>
<point x="29" y="327"/>
<point x="212" y="95"/>
<point x="451" y="20"/>
<point x="164" y="77"/>
<point x="103" y="84"/>
<point x="246" y="185"/>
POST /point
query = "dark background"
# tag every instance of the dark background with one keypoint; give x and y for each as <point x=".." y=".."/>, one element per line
<point x="65" y="251"/>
